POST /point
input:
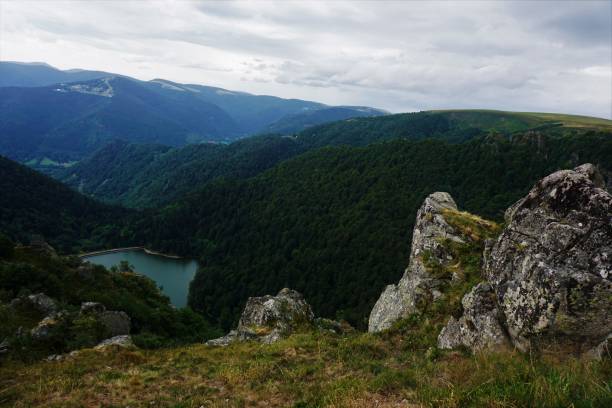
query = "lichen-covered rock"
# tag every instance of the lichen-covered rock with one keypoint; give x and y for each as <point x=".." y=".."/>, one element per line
<point x="551" y="268"/>
<point x="269" y="318"/>
<point x="92" y="308"/>
<point x="333" y="326"/>
<point x="119" y="341"/>
<point x="116" y="323"/>
<point x="47" y="326"/>
<point x="602" y="350"/>
<point x="39" y="302"/>
<point x="479" y="327"/>
<point x="418" y="286"/>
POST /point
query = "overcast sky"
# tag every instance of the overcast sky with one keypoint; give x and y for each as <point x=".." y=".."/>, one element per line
<point x="553" y="56"/>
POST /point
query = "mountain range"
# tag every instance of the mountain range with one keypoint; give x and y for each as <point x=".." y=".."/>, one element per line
<point x="50" y="116"/>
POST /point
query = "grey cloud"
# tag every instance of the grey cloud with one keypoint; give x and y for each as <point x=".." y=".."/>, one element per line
<point x="536" y="55"/>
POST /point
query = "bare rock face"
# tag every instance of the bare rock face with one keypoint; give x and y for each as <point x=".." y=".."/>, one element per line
<point x="418" y="287"/>
<point x="268" y="318"/>
<point x="479" y="327"/>
<point x="551" y="268"/>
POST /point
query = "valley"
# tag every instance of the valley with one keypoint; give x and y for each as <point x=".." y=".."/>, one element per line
<point x="325" y="256"/>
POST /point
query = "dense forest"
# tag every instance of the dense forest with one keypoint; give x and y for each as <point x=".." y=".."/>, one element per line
<point x="34" y="204"/>
<point x="338" y="221"/>
<point x="148" y="175"/>
<point x="270" y="211"/>
<point x="136" y="175"/>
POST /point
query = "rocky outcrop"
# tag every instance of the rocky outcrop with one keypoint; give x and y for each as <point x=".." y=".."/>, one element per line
<point x="602" y="350"/>
<point x="550" y="271"/>
<point x="479" y="327"/>
<point x="40" y="302"/>
<point x="419" y="286"/>
<point x="268" y="318"/>
<point x="124" y="341"/>
<point x="551" y="268"/>
<point x="116" y="323"/>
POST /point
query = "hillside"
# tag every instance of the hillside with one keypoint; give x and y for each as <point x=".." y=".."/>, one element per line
<point x="337" y="221"/>
<point x="295" y="123"/>
<point x="253" y="113"/>
<point x="314" y="367"/>
<point x="33" y="204"/>
<point x="450" y="125"/>
<point x="152" y="175"/>
<point x="139" y="177"/>
<point x="310" y="370"/>
<point x="95" y="112"/>
<point x="36" y="283"/>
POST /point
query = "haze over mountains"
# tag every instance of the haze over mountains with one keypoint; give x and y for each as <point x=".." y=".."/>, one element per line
<point x="64" y="116"/>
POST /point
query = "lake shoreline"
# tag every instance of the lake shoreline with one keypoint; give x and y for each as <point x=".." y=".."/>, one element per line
<point x="140" y="248"/>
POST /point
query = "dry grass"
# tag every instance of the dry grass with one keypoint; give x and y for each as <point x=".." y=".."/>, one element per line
<point x="308" y="370"/>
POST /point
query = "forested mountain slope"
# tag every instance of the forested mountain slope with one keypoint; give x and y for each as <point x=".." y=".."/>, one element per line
<point x="49" y="116"/>
<point x="450" y="125"/>
<point x="337" y="221"/>
<point x="68" y="121"/>
<point x="152" y="175"/>
<point x="142" y="177"/>
<point x="295" y="123"/>
<point x="33" y="204"/>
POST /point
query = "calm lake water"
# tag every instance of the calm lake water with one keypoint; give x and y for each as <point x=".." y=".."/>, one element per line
<point x="173" y="275"/>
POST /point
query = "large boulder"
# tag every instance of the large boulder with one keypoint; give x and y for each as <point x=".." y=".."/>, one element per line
<point x="479" y="327"/>
<point x="551" y="268"/>
<point x="116" y="323"/>
<point x="419" y="287"/>
<point x="268" y="318"/>
<point x="40" y="302"/>
<point x="48" y="326"/>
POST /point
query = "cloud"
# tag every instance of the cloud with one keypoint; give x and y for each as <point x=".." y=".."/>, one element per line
<point x="401" y="56"/>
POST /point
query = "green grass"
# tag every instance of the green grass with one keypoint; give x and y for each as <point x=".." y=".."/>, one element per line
<point x="573" y="120"/>
<point x="399" y="367"/>
<point x="519" y="121"/>
<point x="309" y="370"/>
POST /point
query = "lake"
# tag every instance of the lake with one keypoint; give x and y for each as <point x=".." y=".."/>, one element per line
<point x="173" y="275"/>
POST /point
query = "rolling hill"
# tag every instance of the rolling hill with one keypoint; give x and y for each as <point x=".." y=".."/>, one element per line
<point x="148" y="176"/>
<point x="295" y="123"/>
